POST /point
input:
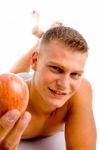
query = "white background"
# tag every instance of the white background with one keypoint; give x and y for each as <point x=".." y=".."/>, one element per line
<point x="16" y="37"/>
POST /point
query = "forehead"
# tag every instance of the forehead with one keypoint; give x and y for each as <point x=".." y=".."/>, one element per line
<point x="56" y="52"/>
<point x="61" y="55"/>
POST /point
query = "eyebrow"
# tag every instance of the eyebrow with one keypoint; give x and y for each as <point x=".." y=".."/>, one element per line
<point x="62" y="67"/>
<point x="56" y="64"/>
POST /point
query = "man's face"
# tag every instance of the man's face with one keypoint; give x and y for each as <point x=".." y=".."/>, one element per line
<point x="58" y="73"/>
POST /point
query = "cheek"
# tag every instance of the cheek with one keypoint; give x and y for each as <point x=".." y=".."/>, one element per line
<point x="42" y="78"/>
<point x="45" y="77"/>
<point x="49" y="77"/>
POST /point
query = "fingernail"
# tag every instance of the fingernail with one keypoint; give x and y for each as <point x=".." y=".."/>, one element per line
<point x="12" y="115"/>
<point x="26" y="117"/>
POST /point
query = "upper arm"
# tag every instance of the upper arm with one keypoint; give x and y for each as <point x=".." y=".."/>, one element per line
<point x="80" y="130"/>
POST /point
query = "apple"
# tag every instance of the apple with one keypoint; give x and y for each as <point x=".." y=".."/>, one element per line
<point x="14" y="93"/>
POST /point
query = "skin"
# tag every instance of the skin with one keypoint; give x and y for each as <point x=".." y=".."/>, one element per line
<point x="12" y="127"/>
<point x="36" y="29"/>
<point x="60" y="99"/>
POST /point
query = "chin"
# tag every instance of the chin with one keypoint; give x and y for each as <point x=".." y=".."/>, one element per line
<point x="57" y="103"/>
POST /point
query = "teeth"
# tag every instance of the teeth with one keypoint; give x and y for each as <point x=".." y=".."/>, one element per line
<point x="58" y="92"/>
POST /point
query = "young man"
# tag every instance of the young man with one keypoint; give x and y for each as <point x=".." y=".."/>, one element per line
<point x="60" y="98"/>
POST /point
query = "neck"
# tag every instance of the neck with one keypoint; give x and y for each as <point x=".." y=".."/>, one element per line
<point x="37" y="104"/>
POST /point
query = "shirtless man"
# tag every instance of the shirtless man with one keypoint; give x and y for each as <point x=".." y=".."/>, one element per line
<point x="60" y="97"/>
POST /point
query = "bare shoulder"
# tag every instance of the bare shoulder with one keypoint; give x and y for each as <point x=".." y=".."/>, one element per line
<point x="85" y="86"/>
<point x="83" y="96"/>
<point x="81" y="99"/>
<point x="79" y="121"/>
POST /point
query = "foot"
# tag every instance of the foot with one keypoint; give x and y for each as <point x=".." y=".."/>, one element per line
<point x="56" y="24"/>
<point x="36" y="29"/>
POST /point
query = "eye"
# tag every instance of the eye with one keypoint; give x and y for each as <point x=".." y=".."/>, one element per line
<point x="76" y="75"/>
<point x="56" y="69"/>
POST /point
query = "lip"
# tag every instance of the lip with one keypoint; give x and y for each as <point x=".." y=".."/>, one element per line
<point x="57" y="93"/>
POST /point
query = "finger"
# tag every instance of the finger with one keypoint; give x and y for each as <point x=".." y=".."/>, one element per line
<point x="7" y="122"/>
<point x="13" y="139"/>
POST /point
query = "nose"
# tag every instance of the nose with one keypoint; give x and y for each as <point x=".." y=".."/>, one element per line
<point x="64" y="82"/>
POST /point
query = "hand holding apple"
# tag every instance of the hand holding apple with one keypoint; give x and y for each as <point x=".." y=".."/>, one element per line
<point x="14" y="97"/>
<point x="12" y="126"/>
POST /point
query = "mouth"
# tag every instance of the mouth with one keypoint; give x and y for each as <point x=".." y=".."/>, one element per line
<point x="58" y="93"/>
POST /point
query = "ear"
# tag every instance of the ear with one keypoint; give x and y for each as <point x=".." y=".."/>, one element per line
<point x="34" y="59"/>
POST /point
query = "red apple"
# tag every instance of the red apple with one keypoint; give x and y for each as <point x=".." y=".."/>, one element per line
<point x="14" y="93"/>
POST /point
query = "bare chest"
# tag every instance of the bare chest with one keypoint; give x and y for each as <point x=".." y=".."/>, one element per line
<point x="41" y="126"/>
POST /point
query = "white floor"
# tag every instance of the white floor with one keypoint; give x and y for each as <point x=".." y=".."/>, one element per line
<point x="56" y="142"/>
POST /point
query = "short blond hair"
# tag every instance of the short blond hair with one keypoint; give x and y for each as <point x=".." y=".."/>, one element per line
<point x="66" y="35"/>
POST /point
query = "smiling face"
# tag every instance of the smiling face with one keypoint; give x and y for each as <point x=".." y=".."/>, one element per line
<point x="58" y="73"/>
